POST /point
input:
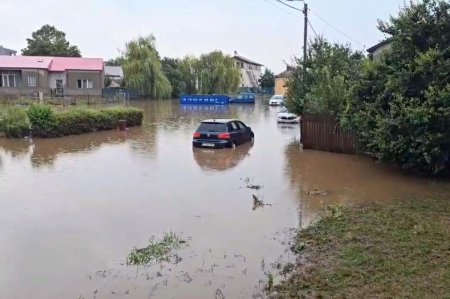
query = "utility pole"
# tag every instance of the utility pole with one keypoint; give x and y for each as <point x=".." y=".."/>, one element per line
<point x="305" y="29"/>
<point x="305" y="38"/>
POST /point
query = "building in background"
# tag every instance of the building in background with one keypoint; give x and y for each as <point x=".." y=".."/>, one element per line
<point x="280" y="80"/>
<point x="114" y="76"/>
<point x="250" y="73"/>
<point x="376" y="52"/>
<point x="51" y="76"/>
<point x="7" y="52"/>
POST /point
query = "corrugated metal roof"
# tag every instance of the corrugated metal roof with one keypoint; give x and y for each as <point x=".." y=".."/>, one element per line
<point x="54" y="64"/>
<point x="242" y="58"/>
<point x="113" y="71"/>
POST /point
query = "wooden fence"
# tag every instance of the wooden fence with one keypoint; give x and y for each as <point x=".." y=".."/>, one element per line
<point x="321" y="133"/>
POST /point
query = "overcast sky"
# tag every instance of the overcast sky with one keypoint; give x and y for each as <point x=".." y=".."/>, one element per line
<point x="261" y="30"/>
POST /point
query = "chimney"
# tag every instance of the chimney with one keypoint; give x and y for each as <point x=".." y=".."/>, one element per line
<point x="235" y="52"/>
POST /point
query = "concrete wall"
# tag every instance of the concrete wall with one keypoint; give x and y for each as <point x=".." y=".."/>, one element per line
<point x="46" y="81"/>
<point x="280" y="86"/>
<point x="71" y="88"/>
<point x="24" y="89"/>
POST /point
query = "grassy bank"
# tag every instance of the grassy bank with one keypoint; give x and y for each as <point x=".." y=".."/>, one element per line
<point x="399" y="250"/>
<point x="44" y="121"/>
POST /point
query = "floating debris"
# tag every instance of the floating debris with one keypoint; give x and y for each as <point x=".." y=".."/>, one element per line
<point x="316" y="192"/>
<point x="258" y="203"/>
<point x="156" y="251"/>
<point x="250" y="184"/>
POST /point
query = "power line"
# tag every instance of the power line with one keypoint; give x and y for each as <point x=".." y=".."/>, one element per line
<point x="310" y="25"/>
<point x="279" y="8"/>
<point x="337" y="29"/>
<point x="293" y="7"/>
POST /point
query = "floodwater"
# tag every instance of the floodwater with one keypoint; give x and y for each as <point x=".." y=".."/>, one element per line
<point x="74" y="207"/>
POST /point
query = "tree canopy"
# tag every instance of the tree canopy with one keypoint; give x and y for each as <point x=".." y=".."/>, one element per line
<point x="49" y="41"/>
<point x="217" y="73"/>
<point x="142" y="69"/>
<point x="326" y="87"/>
<point x="211" y="73"/>
<point x="402" y="107"/>
<point x="267" y="79"/>
<point x="171" y="67"/>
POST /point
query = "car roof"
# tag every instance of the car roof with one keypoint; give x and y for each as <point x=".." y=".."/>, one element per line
<point x="219" y="120"/>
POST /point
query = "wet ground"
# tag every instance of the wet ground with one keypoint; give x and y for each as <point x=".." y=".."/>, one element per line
<point x="74" y="207"/>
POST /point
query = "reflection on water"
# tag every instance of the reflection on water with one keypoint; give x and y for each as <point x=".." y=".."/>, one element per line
<point x="74" y="207"/>
<point x="210" y="159"/>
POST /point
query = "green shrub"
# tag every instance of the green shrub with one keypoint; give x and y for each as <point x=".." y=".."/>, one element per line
<point x="14" y="122"/>
<point x="43" y="120"/>
<point x="78" y="121"/>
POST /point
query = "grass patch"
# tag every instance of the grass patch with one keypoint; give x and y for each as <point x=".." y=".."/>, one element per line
<point x="399" y="250"/>
<point x="156" y="251"/>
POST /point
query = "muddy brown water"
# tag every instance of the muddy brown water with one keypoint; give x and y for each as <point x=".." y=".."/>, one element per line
<point x="74" y="207"/>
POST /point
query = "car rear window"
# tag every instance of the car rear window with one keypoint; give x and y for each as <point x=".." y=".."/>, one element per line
<point x="212" y="127"/>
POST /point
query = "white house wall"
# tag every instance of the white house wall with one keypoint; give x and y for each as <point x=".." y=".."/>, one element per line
<point x="53" y="76"/>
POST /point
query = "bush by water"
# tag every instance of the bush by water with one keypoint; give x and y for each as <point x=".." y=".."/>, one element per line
<point x="43" y="121"/>
<point x="14" y="122"/>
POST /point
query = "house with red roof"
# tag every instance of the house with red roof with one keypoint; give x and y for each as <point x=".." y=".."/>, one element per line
<point x="51" y="76"/>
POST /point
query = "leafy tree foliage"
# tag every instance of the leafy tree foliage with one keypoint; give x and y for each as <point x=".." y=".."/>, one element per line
<point x="326" y="87"/>
<point x="49" y="41"/>
<point x="188" y="69"/>
<point x="142" y="69"/>
<point x="171" y="67"/>
<point x="211" y="73"/>
<point x="401" y="110"/>
<point x="267" y="79"/>
<point x="217" y="73"/>
<point x="118" y="61"/>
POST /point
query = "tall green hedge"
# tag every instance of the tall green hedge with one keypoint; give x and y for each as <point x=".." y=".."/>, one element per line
<point x="47" y="123"/>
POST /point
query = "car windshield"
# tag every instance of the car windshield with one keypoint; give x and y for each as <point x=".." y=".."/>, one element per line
<point x="277" y="97"/>
<point x="283" y="110"/>
<point x="212" y="127"/>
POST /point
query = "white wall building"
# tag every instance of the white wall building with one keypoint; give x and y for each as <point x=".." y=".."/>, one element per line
<point x="250" y="71"/>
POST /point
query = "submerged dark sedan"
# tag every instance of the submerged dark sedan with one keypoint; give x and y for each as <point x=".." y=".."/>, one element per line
<point x="220" y="133"/>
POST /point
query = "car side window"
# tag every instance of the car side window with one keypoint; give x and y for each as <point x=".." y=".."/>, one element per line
<point x="234" y="127"/>
<point x="241" y="126"/>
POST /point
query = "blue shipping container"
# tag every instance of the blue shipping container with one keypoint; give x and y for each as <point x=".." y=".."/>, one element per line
<point x="200" y="99"/>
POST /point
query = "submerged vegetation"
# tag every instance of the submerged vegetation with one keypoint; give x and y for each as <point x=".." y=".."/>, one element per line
<point x="382" y="250"/>
<point x="43" y="121"/>
<point x="156" y="251"/>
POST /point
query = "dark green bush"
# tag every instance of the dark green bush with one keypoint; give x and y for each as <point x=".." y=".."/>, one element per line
<point x="14" y="122"/>
<point x="78" y="121"/>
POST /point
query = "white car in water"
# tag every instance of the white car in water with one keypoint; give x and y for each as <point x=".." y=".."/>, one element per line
<point x="286" y="117"/>
<point x="276" y="100"/>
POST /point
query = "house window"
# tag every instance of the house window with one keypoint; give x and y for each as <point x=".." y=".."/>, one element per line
<point x="32" y="80"/>
<point x="85" y="84"/>
<point x="9" y="79"/>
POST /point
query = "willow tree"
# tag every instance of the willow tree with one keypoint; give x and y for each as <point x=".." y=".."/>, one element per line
<point x="217" y="73"/>
<point x="142" y="69"/>
<point x="188" y="68"/>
